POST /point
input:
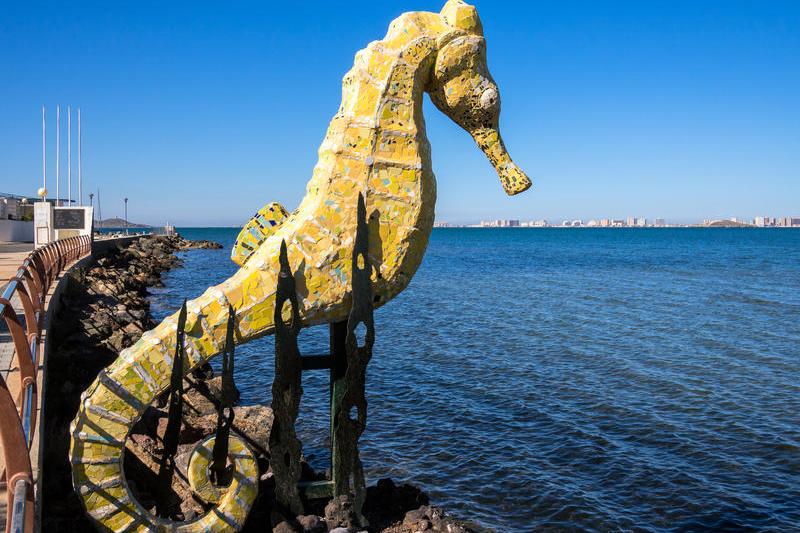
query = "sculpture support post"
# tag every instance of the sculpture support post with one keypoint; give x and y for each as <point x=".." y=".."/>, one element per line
<point x="338" y="362"/>
<point x="286" y="392"/>
<point x="220" y="473"/>
<point x="348" y="473"/>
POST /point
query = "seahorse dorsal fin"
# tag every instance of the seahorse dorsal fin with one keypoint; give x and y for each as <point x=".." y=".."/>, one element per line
<point x="256" y="231"/>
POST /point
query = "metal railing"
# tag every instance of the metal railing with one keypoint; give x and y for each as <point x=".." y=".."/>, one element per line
<point x="18" y="417"/>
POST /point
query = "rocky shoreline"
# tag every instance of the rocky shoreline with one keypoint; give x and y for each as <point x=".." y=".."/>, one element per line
<point x="106" y="310"/>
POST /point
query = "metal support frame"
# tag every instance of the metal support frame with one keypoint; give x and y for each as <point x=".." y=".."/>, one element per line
<point x="284" y="446"/>
<point x="347" y="362"/>
<point x="336" y="363"/>
<point x="348" y="472"/>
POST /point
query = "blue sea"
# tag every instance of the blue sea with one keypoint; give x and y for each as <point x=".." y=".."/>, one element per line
<point x="573" y="379"/>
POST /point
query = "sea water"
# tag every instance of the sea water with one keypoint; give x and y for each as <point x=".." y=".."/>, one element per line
<point x="583" y="379"/>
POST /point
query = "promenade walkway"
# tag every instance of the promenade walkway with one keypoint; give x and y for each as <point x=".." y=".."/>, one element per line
<point x="12" y="256"/>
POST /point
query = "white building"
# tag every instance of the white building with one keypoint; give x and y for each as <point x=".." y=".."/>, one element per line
<point x="499" y="223"/>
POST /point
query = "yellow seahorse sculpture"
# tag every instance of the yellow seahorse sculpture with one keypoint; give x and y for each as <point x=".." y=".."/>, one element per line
<point x="375" y="145"/>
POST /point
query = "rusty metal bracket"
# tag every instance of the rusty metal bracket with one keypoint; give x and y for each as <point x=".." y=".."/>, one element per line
<point x="286" y="392"/>
<point x="171" y="434"/>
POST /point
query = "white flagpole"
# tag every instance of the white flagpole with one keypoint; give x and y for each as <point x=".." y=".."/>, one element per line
<point x="80" y="165"/>
<point x="69" y="155"/>
<point x="58" y="154"/>
<point x="44" y="152"/>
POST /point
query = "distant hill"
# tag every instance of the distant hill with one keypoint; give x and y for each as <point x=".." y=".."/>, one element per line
<point x="727" y="224"/>
<point x="118" y="223"/>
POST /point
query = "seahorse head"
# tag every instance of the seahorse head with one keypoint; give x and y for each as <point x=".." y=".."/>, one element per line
<point x="463" y="89"/>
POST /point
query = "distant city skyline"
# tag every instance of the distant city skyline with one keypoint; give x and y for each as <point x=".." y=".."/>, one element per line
<point x="680" y="110"/>
<point x="629" y="222"/>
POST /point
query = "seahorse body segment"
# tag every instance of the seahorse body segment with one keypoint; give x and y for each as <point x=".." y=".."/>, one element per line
<point x="375" y="145"/>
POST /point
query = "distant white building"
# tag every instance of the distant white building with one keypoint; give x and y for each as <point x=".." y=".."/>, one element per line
<point x="16" y="218"/>
<point x="14" y="207"/>
<point x="499" y="223"/>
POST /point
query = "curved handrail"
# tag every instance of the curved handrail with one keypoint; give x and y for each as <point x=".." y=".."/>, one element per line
<point x="30" y="283"/>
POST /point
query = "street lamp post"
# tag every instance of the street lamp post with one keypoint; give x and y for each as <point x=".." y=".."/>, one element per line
<point x="126" y="215"/>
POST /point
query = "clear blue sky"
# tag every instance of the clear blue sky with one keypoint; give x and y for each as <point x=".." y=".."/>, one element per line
<point x="200" y="113"/>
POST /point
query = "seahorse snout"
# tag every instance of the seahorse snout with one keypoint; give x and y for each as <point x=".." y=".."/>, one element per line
<point x="513" y="179"/>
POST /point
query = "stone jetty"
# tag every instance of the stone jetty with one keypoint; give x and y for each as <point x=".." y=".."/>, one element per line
<point x="104" y="310"/>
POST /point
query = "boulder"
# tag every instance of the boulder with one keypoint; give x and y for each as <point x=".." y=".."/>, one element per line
<point x="286" y="527"/>
<point x="312" y="524"/>
<point x="340" y="513"/>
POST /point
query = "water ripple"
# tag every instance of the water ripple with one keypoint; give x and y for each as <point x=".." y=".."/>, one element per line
<point x="642" y="380"/>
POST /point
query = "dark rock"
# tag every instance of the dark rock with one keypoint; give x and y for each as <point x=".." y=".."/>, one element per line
<point x="388" y="503"/>
<point x="312" y="524"/>
<point x="255" y="421"/>
<point x="204" y="395"/>
<point x="201" y="245"/>
<point x="414" y="517"/>
<point x="287" y="527"/>
<point x="340" y="513"/>
<point x="431" y="519"/>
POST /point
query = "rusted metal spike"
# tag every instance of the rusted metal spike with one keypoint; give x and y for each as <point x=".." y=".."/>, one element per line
<point x="348" y="473"/>
<point x="220" y="474"/>
<point x="286" y="392"/>
<point x="228" y="384"/>
<point x="172" y="432"/>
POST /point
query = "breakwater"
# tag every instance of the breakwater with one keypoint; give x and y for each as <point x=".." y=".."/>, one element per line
<point x="103" y="310"/>
<point x="106" y="309"/>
